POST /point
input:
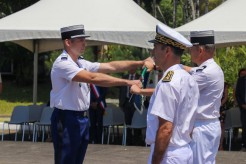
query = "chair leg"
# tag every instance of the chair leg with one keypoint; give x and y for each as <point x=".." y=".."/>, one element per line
<point x="9" y="130"/>
<point x="43" y="131"/>
<point x="113" y="133"/>
<point x="102" y="135"/>
<point x="109" y="127"/>
<point x="231" y="131"/>
<point x="16" y="132"/>
<point x="49" y="131"/>
<point x="36" y="133"/>
<point x="124" y="135"/>
<point x="3" y="131"/>
<point x="23" y="132"/>
<point x="226" y="136"/>
<point x="29" y="131"/>
<point x="33" y="133"/>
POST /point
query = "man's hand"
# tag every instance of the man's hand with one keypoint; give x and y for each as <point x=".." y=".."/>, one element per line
<point x="137" y="83"/>
<point x="135" y="89"/>
<point x="149" y="63"/>
<point x="134" y="82"/>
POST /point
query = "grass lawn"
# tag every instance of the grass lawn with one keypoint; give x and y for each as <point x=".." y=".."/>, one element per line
<point x="14" y="95"/>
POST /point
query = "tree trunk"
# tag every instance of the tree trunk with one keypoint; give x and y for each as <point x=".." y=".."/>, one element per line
<point x="206" y="6"/>
<point x="154" y="8"/>
<point x="162" y="16"/>
<point x="192" y="9"/>
<point x="174" y="12"/>
<point x="197" y="8"/>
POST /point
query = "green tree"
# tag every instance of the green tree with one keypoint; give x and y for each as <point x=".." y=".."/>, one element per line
<point x="231" y="60"/>
<point x="11" y="6"/>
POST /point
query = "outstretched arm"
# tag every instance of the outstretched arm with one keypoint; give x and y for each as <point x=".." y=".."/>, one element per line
<point x="121" y="66"/>
<point x="137" y="90"/>
<point x="104" y="80"/>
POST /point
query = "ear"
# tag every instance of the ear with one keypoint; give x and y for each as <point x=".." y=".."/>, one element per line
<point x="168" y="49"/>
<point x="201" y="50"/>
<point x="67" y="42"/>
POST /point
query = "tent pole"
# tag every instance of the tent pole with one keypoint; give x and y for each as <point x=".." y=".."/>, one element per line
<point x="35" y="71"/>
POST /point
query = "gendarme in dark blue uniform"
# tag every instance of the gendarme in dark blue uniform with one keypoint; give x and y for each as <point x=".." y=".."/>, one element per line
<point x="71" y="100"/>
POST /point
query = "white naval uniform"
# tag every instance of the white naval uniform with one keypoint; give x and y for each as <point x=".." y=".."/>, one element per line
<point x="207" y="131"/>
<point x="67" y="94"/>
<point x="175" y="101"/>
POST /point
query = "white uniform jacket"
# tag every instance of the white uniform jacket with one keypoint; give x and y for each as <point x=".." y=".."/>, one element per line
<point x="210" y="79"/>
<point x="175" y="99"/>
<point x="67" y="94"/>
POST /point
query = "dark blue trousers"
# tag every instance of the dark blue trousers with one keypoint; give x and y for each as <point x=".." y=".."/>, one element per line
<point x="70" y="135"/>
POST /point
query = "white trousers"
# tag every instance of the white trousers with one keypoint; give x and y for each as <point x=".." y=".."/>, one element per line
<point x="174" y="155"/>
<point x="205" y="141"/>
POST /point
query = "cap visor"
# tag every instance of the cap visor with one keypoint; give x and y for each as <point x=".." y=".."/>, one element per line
<point x="80" y="36"/>
<point x="152" y="41"/>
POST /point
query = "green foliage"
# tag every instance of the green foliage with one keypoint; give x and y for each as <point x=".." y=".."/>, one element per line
<point x="167" y="11"/>
<point x="51" y="57"/>
<point x="231" y="60"/>
<point x="13" y="95"/>
<point x="22" y="59"/>
<point x="186" y="59"/>
<point x="10" y="6"/>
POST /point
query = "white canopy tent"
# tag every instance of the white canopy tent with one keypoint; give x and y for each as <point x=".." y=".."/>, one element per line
<point x="227" y="20"/>
<point x="106" y="21"/>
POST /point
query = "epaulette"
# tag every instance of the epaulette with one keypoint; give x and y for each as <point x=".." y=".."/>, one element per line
<point x="80" y="57"/>
<point x="168" y="76"/>
<point x="64" y="57"/>
<point x="200" y="69"/>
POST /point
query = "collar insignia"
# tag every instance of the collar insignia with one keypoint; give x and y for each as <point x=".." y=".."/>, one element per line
<point x="201" y="69"/>
<point x="168" y="76"/>
<point x="80" y="58"/>
<point x="64" y="57"/>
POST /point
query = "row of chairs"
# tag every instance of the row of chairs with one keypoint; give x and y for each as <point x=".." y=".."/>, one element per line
<point x="114" y="117"/>
<point x="232" y="121"/>
<point x="39" y="117"/>
<point x="24" y="116"/>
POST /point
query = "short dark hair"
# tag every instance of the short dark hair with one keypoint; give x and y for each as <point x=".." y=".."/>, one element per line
<point x="241" y="70"/>
<point x="177" y="51"/>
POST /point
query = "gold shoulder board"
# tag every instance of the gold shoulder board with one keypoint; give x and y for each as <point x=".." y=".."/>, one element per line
<point x="168" y="76"/>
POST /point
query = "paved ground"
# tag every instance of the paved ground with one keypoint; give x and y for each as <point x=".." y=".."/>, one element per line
<point x="42" y="153"/>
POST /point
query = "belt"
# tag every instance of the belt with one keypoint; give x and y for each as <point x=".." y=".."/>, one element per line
<point x="77" y="113"/>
